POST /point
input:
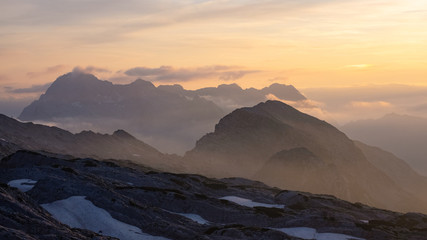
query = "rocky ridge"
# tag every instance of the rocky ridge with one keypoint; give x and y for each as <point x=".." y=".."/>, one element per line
<point x="16" y="135"/>
<point x="172" y="206"/>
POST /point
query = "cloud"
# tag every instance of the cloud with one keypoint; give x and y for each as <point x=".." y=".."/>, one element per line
<point x="91" y="69"/>
<point x="311" y="107"/>
<point x="171" y="74"/>
<point x="38" y="88"/>
<point x="370" y="102"/>
<point x="376" y="104"/>
<point x="358" y="66"/>
<point x="306" y="103"/>
<point x="231" y="76"/>
<point x="50" y="70"/>
<point x="112" y="20"/>
<point x="147" y="72"/>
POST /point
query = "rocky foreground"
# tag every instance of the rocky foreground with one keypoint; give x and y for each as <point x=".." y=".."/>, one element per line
<point x="128" y="201"/>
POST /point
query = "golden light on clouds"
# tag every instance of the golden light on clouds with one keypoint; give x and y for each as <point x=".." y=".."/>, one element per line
<point x="304" y="43"/>
<point x="358" y="66"/>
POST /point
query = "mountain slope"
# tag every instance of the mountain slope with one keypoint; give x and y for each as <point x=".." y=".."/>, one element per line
<point x="397" y="169"/>
<point x="247" y="141"/>
<point x="405" y="136"/>
<point x="120" y="145"/>
<point x="159" y="205"/>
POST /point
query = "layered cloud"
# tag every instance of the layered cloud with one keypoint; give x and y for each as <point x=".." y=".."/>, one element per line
<point x="349" y="104"/>
<point x="91" y="69"/>
<point x="37" y="88"/>
<point x="307" y="106"/>
<point x="171" y="74"/>
<point x="369" y="105"/>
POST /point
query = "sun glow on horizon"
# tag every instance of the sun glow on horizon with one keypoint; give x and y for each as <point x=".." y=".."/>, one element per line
<point x="307" y="44"/>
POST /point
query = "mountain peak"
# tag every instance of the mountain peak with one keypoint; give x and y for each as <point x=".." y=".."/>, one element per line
<point x="280" y="110"/>
<point x="123" y="134"/>
<point x="75" y="81"/>
<point x="140" y="83"/>
<point x="284" y="91"/>
<point x="76" y="77"/>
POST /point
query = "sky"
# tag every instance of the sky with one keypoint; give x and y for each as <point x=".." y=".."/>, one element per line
<point x="311" y="44"/>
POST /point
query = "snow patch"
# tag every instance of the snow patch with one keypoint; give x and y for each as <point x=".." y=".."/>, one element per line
<point x="312" y="234"/>
<point x="196" y="218"/>
<point x="23" y="185"/>
<point x="249" y="203"/>
<point x="77" y="212"/>
<point x="300" y="232"/>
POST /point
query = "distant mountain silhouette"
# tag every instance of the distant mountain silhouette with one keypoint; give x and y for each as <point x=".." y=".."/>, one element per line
<point x="167" y="117"/>
<point x="232" y="96"/>
<point x="403" y="135"/>
<point x="16" y="135"/>
<point x="283" y="147"/>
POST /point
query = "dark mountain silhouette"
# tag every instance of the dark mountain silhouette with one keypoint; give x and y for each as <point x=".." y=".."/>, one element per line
<point x="267" y="142"/>
<point x="16" y="135"/>
<point x="169" y="118"/>
<point x="144" y="203"/>
<point x="232" y="96"/>
<point x="78" y="101"/>
<point x="403" y="135"/>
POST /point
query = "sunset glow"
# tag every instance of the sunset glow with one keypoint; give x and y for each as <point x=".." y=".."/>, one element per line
<point x="305" y="43"/>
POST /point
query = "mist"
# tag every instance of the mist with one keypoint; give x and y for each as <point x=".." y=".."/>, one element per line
<point x="168" y="117"/>
<point x="343" y="105"/>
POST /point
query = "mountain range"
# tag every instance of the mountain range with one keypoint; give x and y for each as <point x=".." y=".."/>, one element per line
<point x="403" y="135"/>
<point x="270" y="142"/>
<point x="53" y="181"/>
<point x="167" y="117"/>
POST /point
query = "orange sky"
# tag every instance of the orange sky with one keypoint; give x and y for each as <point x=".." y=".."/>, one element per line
<point x="307" y="43"/>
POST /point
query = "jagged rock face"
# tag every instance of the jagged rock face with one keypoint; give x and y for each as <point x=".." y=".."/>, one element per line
<point x="167" y="117"/>
<point x="7" y="148"/>
<point x="120" y="145"/>
<point x="156" y="203"/>
<point x="246" y="142"/>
